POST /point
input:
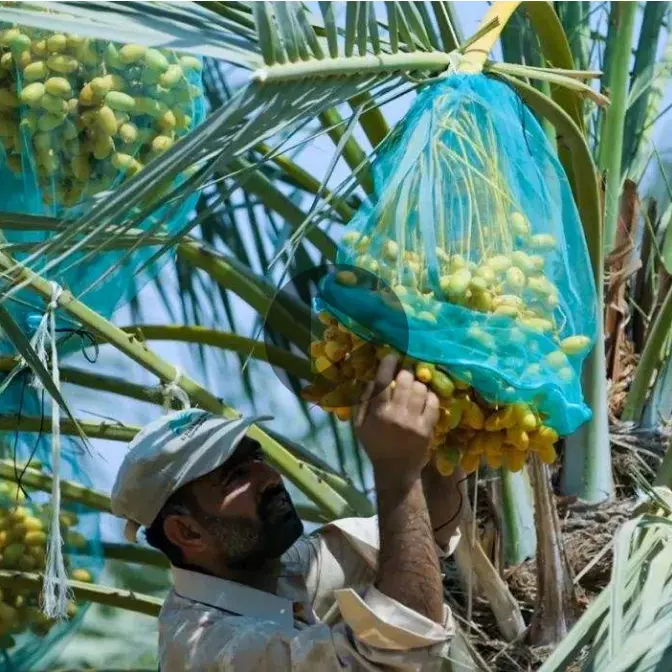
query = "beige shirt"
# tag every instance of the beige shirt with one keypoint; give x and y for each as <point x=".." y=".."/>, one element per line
<point x="326" y="615"/>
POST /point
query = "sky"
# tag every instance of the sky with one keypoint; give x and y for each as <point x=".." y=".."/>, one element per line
<point x="221" y="378"/>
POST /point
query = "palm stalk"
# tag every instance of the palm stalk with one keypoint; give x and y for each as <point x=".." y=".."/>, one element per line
<point x="611" y="142"/>
<point x="93" y="430"/>
<point x="649" y="361"/>
<point x="280" y="357"/>
<point x="35" y="479"/>
<point x="653" y="85"/>
<point x="133" y="553"/>
<point x="641" y="79"/>
<point x="258" y="293"/>
<point x="102" y="383"/>
<point x="519" y="535"/>
<point x="587" y="467"/>
<point x="575" y="23"/>
<point x="351" y="152"/>
<point x="606" y="62"/>
<point x="296" y="175"/>
<point x="257" y="184"/>
<point x="587" y="462"/>
<point x="556" y="603"/>
<point x="88" y="592"/>
<point x="471" y="558"/>
<point x="372" y="120"/>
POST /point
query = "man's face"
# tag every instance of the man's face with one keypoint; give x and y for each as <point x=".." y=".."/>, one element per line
<point x="246" y="516"/>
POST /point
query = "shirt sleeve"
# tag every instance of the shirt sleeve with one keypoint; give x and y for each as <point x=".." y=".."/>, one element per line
<point x="344" y="554"/>
<point x="205" y="643"/>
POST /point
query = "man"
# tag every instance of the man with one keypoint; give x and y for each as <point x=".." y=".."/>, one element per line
<point x="250" y="593"/>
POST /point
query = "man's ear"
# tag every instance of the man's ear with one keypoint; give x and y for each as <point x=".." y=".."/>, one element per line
<point x="183" y="532"/>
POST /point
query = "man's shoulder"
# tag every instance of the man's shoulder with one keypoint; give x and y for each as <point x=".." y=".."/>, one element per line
<point x="180" y="607"/>
<point x="357" y="529"/>
<point x="196" y="636"/>
<point x="366" y="526"/>
<point x="182" y="618"/>
<point x="360" y="532"/>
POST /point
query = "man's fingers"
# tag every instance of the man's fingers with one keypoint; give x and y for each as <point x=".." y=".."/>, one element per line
<point x="384" y="377"/>
<point x="432" y="410"/>
<point x="403" y="384"/>
<point x="417" y="398"/>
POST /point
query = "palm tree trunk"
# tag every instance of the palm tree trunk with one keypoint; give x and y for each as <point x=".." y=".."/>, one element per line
<point x="556" y="606"/>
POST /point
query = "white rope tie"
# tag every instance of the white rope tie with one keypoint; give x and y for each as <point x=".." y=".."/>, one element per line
<point x="456" y="60"/>
<point x="56" y="591"/>
<point x="37" y="342"/>
<point x="172" y="391"/>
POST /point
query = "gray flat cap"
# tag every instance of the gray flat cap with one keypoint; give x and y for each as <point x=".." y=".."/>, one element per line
<point x="169" y="453"/>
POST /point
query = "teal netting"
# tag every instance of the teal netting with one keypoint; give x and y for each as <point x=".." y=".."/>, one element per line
<point x="474" y="229"/>
<point x="26" y="635"/>
<point x="77" y="118"/>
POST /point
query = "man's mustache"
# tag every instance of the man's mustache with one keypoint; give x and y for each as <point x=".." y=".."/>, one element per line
<point x="273" y="500"/>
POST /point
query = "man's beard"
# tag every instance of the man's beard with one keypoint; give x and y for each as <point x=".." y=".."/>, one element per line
<point x="250" y="544"/>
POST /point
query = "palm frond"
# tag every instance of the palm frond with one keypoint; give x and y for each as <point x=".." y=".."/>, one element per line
<point x="188" y="27"/>
<point x="642" y="73"/>
<point x="628" y="624"/>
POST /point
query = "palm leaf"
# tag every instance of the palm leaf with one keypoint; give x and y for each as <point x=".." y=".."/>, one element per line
<point x="190" y="28"/>
<point x="642" y="71"/>
<point x="618" y="625"/>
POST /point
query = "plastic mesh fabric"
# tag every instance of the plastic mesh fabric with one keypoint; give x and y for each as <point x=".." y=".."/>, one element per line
<point x="26" y="636"/>
<point x="474" y="227"/>
<point x="65" y="142"/>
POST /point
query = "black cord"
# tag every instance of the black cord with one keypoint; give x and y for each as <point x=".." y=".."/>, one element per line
<point x="37" y="443"/>
<point x="18" y="424"/>
<point x="459" y="492"/>
<point x="19" y="477"/>
<point x="83" y="334"/>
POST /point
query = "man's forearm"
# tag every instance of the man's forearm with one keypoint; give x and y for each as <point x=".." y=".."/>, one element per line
<point x="444" y="497"/>
<point x="408" y="567"/>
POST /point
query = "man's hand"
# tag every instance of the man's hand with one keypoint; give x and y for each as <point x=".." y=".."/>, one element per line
<point x="395" y="424"/>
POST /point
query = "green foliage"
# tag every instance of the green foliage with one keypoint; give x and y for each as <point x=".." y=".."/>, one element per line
<point x="628" y="625"/>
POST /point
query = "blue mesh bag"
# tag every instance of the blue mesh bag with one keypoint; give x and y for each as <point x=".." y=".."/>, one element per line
<point x="27" y="636"/>
<point x="77" y="118"/>
<point x="477" y="252"/>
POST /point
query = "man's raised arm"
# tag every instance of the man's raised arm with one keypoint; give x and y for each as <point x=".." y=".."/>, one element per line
<point x="395" y="427"/>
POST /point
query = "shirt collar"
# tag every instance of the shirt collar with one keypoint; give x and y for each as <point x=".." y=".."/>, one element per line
<point x="232" y="596"/>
